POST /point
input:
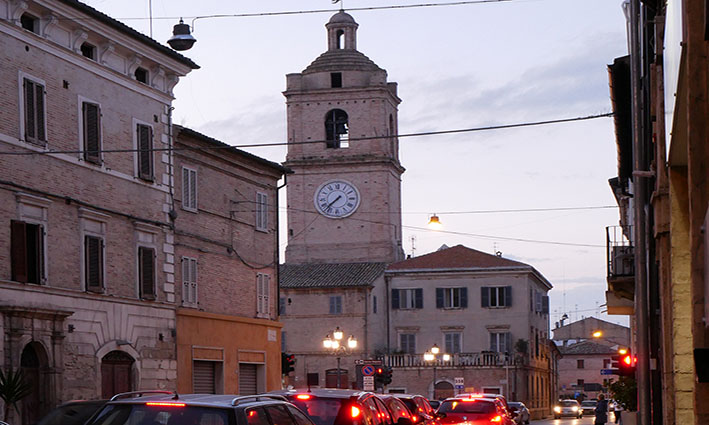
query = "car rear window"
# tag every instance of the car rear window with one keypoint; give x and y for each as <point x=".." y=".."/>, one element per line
<point x="323" y="411"/>
<point x="467" y="406"/>
<point x="166" y="414"/>
<point x="72" y="414"/>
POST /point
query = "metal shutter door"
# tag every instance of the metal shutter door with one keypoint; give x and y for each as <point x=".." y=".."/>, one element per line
<point x="247" y="379"/>
<point x="203" y="377"/>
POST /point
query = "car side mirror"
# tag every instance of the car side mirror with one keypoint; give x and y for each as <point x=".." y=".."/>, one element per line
<point x="404" y="421"/>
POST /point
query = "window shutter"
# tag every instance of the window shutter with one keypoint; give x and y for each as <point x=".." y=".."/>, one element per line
<point x="30" y="111"/>
<point x="145" y="153"/>
<point x="545" y="304"/>
<point x="439" y="297"/>
<point x="39" y="104"/>
<point x="419" y="297"/>
<point x="485" y="296"/>
<point x="185" y="280"/>
<point x="394" y="299"/>
<point x="463" y="297"/>
<point x="538" y="302"/>
<point x="94" y="259"/>
<point x="185" y="188"/>
<point x="508" y="296"/>
<point x="193" y="188"/>
<point x="92" y="118"/>
<point x="18" y="251"/>
<point x="146" y="257"/>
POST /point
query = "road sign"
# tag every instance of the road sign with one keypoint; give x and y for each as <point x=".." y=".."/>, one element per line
<point x="608" y="371"/>
<point x="459" y="387"/>
<point x="368" y="383"/>
<point x="370" y="361"/>
<point x="459" y="381"/>
<point x="368" y="370"/>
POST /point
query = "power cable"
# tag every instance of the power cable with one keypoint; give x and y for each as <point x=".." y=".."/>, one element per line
<point x="258" y="145"/>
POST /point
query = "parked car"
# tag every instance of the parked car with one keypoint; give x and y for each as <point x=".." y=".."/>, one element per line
<point x="420" y="407"/>
<point x="434" y="403"/>
<point x="473" y="411"/>
<point x="168" y="408"/>
<point x="568" y="408"/>
<point x="487" y="395"/>
<point x="341" y="407"/>
<point x="521" y="412"/>
<point x="72" y="413"/>
<point x="588" y="407"/>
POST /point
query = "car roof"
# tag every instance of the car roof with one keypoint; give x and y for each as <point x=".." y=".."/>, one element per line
<point x="323" y="392"/>
<point x="203" y="400"/>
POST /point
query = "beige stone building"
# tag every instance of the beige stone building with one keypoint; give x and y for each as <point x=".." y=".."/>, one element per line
<point x="612" y="335"/>
<point x="490" y="314"/>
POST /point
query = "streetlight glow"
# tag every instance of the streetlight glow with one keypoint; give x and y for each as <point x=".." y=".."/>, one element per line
<point x="338" y="334"/>
<point x="428" y="356"/>
<point x="597" y="334"/>
<point x="435" y="349"/>
<point x="446" y="357"/>
<point x="352" y="342"/>
<point x="327" y="342"/>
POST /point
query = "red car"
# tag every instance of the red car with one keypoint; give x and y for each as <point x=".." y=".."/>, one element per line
<point x="474" y="411"/>
<point x="420" y="407"/>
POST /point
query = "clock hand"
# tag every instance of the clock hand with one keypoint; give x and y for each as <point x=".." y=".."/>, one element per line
<point x="336" y="199"/>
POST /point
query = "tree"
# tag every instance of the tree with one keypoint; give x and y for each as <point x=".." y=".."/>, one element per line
<point x="625" y="392"/>
<point x="13" y="388"/>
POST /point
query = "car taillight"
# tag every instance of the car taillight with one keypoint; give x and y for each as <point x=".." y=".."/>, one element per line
<point x="414" y="419"/>
<point x="355" y="412"/>
<point x="496" y="419"/>
<point x="164" y="404"/>
<point x="252" y="413"/>
<point x="303" y="396"/>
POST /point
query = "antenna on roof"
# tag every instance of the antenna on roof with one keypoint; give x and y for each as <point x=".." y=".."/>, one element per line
<point x="413" y="245"/>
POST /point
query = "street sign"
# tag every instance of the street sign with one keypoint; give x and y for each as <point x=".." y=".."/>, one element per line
<point x="360" y="362"/>
<point x="459" y="381"/>
<point x="459" y="387"/>
<point x="608" y="371"/>
<point x="368" y="383"/>
<point x="368" y="370"/>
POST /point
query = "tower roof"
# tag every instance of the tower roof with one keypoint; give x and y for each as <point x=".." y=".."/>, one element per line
<point x="338" y="60"/>
<point x="342" y="17"/>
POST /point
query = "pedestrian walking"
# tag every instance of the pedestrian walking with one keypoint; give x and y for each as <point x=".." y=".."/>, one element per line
<point x="601" y="410"/>
<point x="617" y="413"/>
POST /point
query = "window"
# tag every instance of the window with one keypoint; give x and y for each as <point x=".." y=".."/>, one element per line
<point x="189" y="281"/>
<point x="146" y="273"/>
<point x="93" y="263"/>
<point x="336" y="305"/>
<point x="374" y="304"/>
<point x="545" y="304"/>
<point x="27" y="252"/>
<point x="91" y="132"/>
<point x="141" y="74"/>
<point x="261" y="211"/>
<point x="263" y="291"/>
<point x="406" y="299"/>
<point x="606" y="363"/>
<point x="452" y="342"/>
<point x="451" y="297"/>
<point x="579" y="364"/>
<point x="500" y="342"/>
<point x="145" y="152"/>
<point x="537" y="302"/>
<point x="580" y="382"/>
<point x="282" y="305"/>
<point x="189" y="189"/>
<point x="336" y="129"/>
<point x="496" y="296"/>
<point x="29" y="22"/>
<point x="284" y="343"/>
<point x="34" y="122"/>
<point x="335" y="79"/>
<point x="88" y="50"/>
<point x="407" y="343"/>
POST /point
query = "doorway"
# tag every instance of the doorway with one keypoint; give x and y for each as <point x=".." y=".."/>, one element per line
<point x="116" y="373"/>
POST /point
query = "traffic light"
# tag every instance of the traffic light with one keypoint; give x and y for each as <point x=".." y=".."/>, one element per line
<point x="287" y="363"/>
<point x="379" y="377"/>
<point x="623" y="363"/>
<point x="386" y="379"/>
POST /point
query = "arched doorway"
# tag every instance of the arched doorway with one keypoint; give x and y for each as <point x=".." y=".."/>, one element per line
<point x="116" y="373"/>
<point x="443" y="390"/>
<point x="33" y="363"/>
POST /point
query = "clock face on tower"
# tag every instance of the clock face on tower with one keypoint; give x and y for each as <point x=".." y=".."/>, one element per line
<point x="336" y="199"/>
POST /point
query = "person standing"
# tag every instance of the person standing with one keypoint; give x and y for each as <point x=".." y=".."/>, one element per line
<point x="601" y="410"/>
<point x="617" y="413"/>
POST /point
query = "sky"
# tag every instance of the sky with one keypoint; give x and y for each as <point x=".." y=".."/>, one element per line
<point x="457" y="67"/>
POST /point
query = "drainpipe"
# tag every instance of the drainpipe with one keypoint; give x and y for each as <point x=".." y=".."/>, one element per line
<point x="277" y="251"/>
<point x="387" y="280"/>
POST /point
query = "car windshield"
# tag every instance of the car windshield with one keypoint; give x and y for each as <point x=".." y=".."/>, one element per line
<point x="71" y="414"/>
<point x="323" y="411"/>
<point x="588" y="404"/>
<point x="165" y="414"/>
<point x="468" y="406"/>
<point x="569" y="403"/>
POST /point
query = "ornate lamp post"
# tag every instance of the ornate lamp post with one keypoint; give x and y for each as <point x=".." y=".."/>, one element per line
<point x="336" y="347"/>
<point x="430" y="357"/>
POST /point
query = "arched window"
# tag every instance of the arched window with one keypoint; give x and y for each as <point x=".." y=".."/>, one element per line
<point x="33" y="363"/>
<point x="337" y="129"/>
<point x="340" y="38"/>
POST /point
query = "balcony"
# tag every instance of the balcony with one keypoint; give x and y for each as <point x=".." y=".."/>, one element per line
<point x="620" y="271"/>
<point x="482" y="359"/>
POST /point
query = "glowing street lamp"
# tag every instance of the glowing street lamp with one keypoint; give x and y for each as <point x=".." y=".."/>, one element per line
<point x="339" y="349"/>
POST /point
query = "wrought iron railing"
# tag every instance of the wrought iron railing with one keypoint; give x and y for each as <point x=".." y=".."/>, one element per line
<point x="620" y="254"/>
<point x="484" y="358"/>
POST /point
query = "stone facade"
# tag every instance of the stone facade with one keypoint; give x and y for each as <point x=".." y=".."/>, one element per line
<point x="612" y="335"/>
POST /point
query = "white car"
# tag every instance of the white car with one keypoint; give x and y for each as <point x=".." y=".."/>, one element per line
<point x="568" y="408"/>
<point x="522" y="413"/>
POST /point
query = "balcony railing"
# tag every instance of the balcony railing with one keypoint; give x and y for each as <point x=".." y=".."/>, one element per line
<point x="484" y="358"/>
<point x="619" y="252"/>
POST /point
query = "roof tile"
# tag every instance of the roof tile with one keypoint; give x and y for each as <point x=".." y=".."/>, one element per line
<point x="325" y="275"/>
<point x="457" y="257"/>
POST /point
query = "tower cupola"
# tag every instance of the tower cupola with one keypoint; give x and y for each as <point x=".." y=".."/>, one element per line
<point x="341" y="32"/>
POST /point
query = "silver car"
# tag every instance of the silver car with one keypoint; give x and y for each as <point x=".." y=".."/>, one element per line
<point x="521" y="411"/>
<point x="568" y="408"/>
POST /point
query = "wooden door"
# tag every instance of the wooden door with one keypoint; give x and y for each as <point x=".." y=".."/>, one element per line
<point x="116" y="374"/>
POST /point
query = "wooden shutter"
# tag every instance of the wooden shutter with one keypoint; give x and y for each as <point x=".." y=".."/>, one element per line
<point x="30" y="112"/>
<point x="18" y="251"/>
<point x="39" y="105"/>
<point x="439" y="298"/>
<point x="189" y="189"/>
<point x="93" y="259"/>
<point x="146" y="272"/>
<point x="418" y="303"/>
<point x="92" y="133"/>
<point x="508" y="296"/>
<point x="545" y="304"/>
<point x="247" y="379"/>
<point x="394" y="299"/>
<point x="485" y="296"/>
<point x="145" y="152"/>
<point x="463" y="297"/>
<point x="261" y="211"/>
<point x="203" y="374"/>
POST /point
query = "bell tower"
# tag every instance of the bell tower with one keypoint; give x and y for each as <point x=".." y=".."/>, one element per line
<point x="344" y="198"/>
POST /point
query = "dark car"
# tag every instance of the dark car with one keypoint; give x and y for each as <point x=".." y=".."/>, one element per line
<point x="167" y="408"/>
<point x="342" y="407"/>
<point x="72" y="413"/>
<point x="588" y="407"/>
<point x="474" y="411"/>
<point x="420" y="407"/>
